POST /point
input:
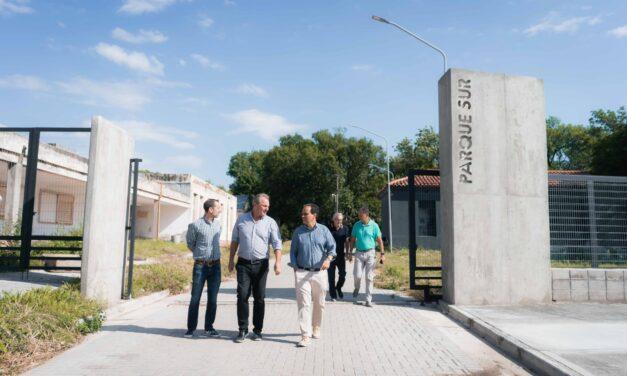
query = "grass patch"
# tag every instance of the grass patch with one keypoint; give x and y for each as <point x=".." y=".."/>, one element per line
<point x="37" y="324"/>
<point x="394" y="274"/>
<point x="152" y="248"/>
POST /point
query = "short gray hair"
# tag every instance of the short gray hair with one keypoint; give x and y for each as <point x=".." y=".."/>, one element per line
<point x="257" y="198"/>
<point x="337" y="215"/>
<point x="364" y="210"/>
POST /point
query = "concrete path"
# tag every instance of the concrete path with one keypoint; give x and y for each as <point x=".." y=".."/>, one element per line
<point x="587" y="338"/>
<point x="19" y="282"/>
<point x="396" y="337"/>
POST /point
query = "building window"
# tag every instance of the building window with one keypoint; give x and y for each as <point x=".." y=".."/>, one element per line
<point x="56" y="208"/>
<point x="3" y="198"/>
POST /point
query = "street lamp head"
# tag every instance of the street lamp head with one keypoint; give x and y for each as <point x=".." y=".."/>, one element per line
<point x="380" y="19"/>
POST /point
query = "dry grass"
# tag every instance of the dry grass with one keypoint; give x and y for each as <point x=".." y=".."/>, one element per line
<point x="36" y="325"/>
<point x="394" y="274"/>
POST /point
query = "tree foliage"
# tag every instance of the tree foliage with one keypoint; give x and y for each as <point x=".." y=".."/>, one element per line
<point x="301" y="170"/>
<point x="610" y="150"/>
<point x="569" y="147"/>
<point x="421" y="153"/>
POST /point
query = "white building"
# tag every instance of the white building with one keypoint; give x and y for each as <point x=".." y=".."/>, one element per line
<point x="166" y="203"/>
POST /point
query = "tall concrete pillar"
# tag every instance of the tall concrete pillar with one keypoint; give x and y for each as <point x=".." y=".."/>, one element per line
<point x="13" y="203"/>
<point x="494" y="190"/>
<point x="110" y="151"/>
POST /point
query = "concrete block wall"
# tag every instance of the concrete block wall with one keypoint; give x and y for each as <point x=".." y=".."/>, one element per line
<point x="589" y="284"/>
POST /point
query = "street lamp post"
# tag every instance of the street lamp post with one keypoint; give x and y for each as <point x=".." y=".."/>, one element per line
<point x="387" y="157"/>
<point x="383" y="20"/>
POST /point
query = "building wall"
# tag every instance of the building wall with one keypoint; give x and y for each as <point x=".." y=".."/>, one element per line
<point x="589" y="284"/>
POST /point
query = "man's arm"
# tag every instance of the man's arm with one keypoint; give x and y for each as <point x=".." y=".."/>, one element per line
<point x="233" y="249"/>
<point x="329" y="246"/>
<point x="190" y="237"/>
<point x="275" y="240"/>
<point x="380" y="242"/>
<point x="294" y="250"/>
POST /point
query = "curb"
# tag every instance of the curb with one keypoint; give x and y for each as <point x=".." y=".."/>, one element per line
<point x="535" y="360"/>
<point x="126" y="306"/>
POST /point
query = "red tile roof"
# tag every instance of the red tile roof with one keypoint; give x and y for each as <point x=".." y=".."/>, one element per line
<point x="433" y="181"/>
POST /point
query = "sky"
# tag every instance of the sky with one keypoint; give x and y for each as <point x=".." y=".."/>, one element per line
<point x="195" y="82"/>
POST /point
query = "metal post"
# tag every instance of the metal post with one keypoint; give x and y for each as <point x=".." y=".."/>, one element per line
<point x="135" y="162"/>
<point x="594" y="244"/>
<point x="387" y="152"/>
<point x="126" y="224"/>
<point x="28" y="210"/>
<point x="337" y="193"/>
<point x="412" y="230"/>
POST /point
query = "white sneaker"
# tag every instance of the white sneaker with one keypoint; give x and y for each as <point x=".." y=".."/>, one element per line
<point x="369" y="304"/>
<point x="316" y="332"/>
<point x="304" y="342"/>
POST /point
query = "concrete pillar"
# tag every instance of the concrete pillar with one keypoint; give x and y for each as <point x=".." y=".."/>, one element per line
<point x="13" y="203"/>
<point x="494" y="190"/>
<point x="105" y="211"/>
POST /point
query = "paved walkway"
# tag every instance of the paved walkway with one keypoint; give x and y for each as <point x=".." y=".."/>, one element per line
<point x="13" y="282"/>
<point x="396" y="337"/>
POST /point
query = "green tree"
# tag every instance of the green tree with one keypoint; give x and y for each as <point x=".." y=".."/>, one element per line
<point x="245" y="168"/>
<point x="421" y="153"/>
<point x="569" y="147"/>
<point x="610" y="150"/>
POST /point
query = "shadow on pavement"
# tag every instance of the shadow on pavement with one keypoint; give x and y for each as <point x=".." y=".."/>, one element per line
<point x="226" y="335"/>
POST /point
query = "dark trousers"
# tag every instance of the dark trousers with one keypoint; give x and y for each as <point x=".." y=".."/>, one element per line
<point x="340" y="264"/>
<point x="212" y="275"/>
<point x="251" y="277"/>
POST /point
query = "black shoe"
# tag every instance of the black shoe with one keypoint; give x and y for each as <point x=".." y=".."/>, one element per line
<point x="241" y="336"/>
<point x="211" y="333"/>
<point x="256" y="336"/>
<point x="188" y="334"/>
<point x="340" y="294"/>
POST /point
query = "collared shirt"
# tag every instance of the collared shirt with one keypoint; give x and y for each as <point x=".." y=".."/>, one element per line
<point x="311" y="246"/>
<point x="366" y="235"/>
<point x="203" y="238"/>
<point x="253" y="236"/>
<point x="340" y="235"/>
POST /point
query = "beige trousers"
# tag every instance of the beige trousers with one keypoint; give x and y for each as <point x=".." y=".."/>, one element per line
<point x="364" y="265"/>
<point x="311" y="289"/>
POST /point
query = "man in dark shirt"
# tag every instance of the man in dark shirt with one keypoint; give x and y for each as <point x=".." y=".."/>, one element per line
<point x="341" y="235"/>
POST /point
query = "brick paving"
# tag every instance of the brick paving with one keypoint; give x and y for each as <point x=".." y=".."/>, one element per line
<point x="396" y="337"/>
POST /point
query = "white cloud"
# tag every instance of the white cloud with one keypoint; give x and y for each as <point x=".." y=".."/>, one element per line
<point x="183" y="162"/>
<point x="267" y="126"/>
<point x="182" y="62"/>
<point x="205" y="22"/>
<point x="15" y="7"/>
<point x="22" y="82"/>
<point x="619" y="32"/>
<point x="202" y="102"/>
<point x="363" y="68"/>
<point x="157" y="82"/>
<point x="61" y="24"/>
<point x="229" y="2"/>
<point x="143" y="36"/>
<point x="556" y="24"/>
<point x="133" y="60"/>
<point x="205" y="62"/>
<point x="125" y="95"/>
<point x="148" y="132"/>
<point x="144" y="6"/>
<point x="251" y="89"/>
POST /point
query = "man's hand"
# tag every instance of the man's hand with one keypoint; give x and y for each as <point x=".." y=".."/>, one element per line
<point x="325" y="265"/>
<point x="382" y="260"/>
<point x="277" y="268"/>
<point x="349" y="256"/>
<point x="231" y="265"/>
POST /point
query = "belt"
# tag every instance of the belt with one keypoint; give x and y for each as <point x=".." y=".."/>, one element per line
<point x="251" y="262"/>
<point x="207" y="262"/>
<point x="365" y="250"/>
<point x="309" y="269"/>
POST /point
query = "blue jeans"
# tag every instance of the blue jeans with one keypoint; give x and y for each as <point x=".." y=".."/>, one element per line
<point x="212" y="274"/>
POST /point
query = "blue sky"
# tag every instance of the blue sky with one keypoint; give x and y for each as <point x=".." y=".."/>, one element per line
<point x="197" y="81"/>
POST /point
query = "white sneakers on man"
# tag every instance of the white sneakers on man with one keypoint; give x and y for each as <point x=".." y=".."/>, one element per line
<point x="304" y="342"/>
<point x="316" y="332"/>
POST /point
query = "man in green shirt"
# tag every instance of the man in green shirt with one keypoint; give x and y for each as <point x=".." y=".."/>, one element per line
<point x="364" y="237"/>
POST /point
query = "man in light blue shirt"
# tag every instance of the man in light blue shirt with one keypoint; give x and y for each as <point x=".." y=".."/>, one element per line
<point x="252" y="234"/>
<point x="311" y="253"/>
<point x="203" y="239"/>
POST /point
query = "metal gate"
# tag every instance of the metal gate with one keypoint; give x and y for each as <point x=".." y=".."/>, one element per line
<point x="47" y="232"/>
<point x="425" y="265"/>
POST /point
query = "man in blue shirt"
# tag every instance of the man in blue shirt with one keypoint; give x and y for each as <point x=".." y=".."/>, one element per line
<point x="252" y="234"/>
<point x="311" y="253"/>
<point x="203" y="239"/>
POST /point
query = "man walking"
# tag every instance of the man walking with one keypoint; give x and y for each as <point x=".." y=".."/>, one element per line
<point x="203" y="239"/>
<point x="311" y="253"/>
<point x="364" y="235"/>
<point x="341" y="235"/>
<point x="252" y="234"/>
